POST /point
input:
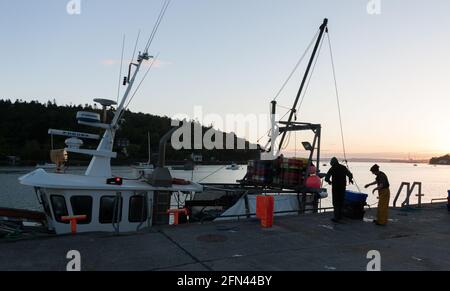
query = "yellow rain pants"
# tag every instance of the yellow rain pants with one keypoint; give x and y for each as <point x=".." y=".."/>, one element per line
<point x="383" y="206"/>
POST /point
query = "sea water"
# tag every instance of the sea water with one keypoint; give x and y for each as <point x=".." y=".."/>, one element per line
<point x="435" y="181"/>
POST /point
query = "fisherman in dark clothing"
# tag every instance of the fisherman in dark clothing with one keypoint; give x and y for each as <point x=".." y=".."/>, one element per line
<point x="338" y="174"/>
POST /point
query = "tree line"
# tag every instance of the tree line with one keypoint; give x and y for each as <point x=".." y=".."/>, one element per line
<point x="444" y="160"/>
<point x="24" y="133"/>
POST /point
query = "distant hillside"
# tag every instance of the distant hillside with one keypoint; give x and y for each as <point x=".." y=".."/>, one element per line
<point x="444" y="160"/>
<point x="24" y="126"/>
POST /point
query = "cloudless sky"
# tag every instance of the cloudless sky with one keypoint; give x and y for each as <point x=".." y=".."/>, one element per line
<point x="231" y="56"/>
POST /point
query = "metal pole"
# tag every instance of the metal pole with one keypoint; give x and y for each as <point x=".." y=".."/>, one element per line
<point x="162" y="147"/>
<point x="319" y="133"/>
<point x="308" y="68"/>
<point x="149" y="150"/>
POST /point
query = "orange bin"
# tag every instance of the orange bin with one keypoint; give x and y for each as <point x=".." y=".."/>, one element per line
<point x="264" y="210"/>
<point x="176" y="214"/>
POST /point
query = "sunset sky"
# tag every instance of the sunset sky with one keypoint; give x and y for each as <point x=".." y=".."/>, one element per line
<point x="232" y="56"/>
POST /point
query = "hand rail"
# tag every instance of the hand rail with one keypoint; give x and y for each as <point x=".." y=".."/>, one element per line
<point x="409" y="190"/>
<point x="438" y="199"/>
<point x="117" y="211"/>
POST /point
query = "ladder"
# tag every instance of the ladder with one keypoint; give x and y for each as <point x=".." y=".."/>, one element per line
<point x="409" y="191"/>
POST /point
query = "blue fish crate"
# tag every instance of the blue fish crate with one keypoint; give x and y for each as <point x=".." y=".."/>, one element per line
<point x="352" y="196"/>
<point x="448" y="200"/>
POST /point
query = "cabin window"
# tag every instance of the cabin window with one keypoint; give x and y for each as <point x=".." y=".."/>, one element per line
<point x="138" y="209"/>
<point x="45" y="203"/>
<point x="59" y="207"/>
<point x="82" y="205"/>
<point x="108" y="211"/>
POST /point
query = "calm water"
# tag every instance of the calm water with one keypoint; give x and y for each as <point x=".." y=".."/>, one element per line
<point x="435" y="181"/>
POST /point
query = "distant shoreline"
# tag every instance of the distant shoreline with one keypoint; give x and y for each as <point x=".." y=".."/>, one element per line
<point x="221" y="163"/>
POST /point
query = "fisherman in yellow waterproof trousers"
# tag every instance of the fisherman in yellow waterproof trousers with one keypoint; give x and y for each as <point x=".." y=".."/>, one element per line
<point x="382" y="183"/>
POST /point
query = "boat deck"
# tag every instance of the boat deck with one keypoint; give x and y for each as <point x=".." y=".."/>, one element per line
<point x="416" y="239"/>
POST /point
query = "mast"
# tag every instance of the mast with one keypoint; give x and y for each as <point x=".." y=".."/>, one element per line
<point x="100" y="165"/>
<point x="130" y="82"/>
<point x="323" y="28"/>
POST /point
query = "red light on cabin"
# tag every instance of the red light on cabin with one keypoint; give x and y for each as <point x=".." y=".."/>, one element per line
<point x="114" y="181"/>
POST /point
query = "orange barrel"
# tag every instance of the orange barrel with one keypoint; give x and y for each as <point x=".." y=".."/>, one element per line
<point x="260" y="204"/>
<point x="176" y="214"/>
<point x="267" y="219"/>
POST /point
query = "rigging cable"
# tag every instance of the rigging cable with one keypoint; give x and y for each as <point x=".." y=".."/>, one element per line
<point x="310" y="76"/>
<point x="337" y="97"/>
<point x="155" y="29"/>
<point x="135" y="45"/>
<point x="339" y="106"/>
<point x="211" y="174"/>
<point x="289" y="78"/>
<point x="284" y="107"/>
<point x="296" y="66"/>
<point x="303" y="94"/>
<point x="267" y="133"/>
<point x="157" y="23"/>
<point x="143" y="78"/>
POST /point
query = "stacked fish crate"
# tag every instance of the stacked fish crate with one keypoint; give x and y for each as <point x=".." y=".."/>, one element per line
<point x="260" y="172"/>
<point x="281" y="172"/>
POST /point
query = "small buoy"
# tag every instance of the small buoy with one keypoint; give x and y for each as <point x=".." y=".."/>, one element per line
<point x="313" y="182"/>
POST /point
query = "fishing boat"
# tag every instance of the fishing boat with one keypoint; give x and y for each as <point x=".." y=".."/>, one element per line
<point x="294" y="183"/>
<point x="98" y="200"/>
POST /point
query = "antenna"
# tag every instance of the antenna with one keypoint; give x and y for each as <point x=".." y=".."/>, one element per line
<point x="105" y="104"/>
<point x="120" y="70"/>
<point x="100" y="164"/>
<point x="126" y="80"/>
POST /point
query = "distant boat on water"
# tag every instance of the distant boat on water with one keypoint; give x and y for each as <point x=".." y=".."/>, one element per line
<point x="233" y="167"/>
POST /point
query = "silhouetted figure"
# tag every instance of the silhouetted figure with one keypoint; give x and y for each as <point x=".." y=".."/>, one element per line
<point x="384" y="194"/>
<point x="338" y="174"/>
